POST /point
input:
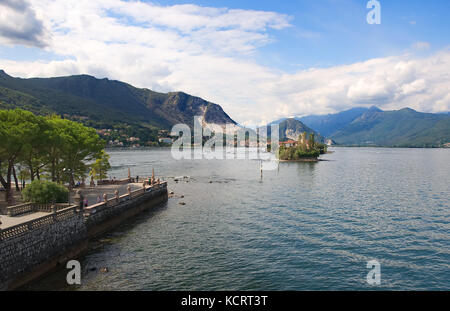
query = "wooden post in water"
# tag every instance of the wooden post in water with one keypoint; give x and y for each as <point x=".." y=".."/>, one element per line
<point x="261" y="168"/>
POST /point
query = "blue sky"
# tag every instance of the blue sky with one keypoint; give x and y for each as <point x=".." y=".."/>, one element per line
<point x="260" y="60"/>
<point x="334" y="32"/>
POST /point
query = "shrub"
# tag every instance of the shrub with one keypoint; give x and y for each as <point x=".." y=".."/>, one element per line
<point x="45" y="192"/>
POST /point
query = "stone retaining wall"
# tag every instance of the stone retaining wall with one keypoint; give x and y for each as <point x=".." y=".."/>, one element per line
<point x="103" y="216"/>
<point x="33" y="248"/>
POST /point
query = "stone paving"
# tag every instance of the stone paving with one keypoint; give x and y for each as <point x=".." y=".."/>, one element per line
<point x="92" y="195"/>
<point x="95" y="194"/>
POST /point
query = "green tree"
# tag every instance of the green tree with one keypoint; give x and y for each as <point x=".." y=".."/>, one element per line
<point x="48" y="147"/>
<point x="312" y="141"/>
<point x="302" y="141"/>
<point x="34" y="154"/>
<point x="45" y="192"/>
<point x="74" y="147"/>
<point x="101" y="166"/>
<point x="17" y="131"/>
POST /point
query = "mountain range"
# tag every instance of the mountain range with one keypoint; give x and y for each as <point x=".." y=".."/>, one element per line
<point x="374" y="127"/>
<point x="400" y="128"/>
<point x="105" y="102"/>
<point x="140" y="112"/>
<point x="329" y="124"/>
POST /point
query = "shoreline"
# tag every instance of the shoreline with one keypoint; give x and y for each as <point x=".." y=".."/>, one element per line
<point x="300" y="160"/>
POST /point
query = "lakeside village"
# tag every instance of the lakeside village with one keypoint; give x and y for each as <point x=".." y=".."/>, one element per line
<point x="290" y="149"/>
<point x="118" y="138"/>
<point x="124" y="136"/>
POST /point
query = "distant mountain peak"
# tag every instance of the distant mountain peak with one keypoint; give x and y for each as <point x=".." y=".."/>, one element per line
<point x="291" y="128"/>
<point x="291" y="120"/>
<point x="3" y="73"/>
<point x="375" y="108"/>
<point x="407" y="109"/>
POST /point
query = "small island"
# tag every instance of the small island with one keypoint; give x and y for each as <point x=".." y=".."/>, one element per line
<point x="303" y="150"/>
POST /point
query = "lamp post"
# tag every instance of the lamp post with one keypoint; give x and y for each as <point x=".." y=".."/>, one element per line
<point x="68" y="193"/>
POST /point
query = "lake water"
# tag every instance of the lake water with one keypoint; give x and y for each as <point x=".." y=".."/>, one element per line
<point x="304" y="226"/>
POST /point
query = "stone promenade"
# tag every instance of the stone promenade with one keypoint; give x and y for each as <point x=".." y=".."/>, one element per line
<point x="91" y="194"/>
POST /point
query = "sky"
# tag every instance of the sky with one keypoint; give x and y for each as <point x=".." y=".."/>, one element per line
<point x="260" y="60"/>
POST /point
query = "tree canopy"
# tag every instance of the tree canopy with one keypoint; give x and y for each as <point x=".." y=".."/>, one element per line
<point x="101" y="166"/>
<point x="47" y="147"/>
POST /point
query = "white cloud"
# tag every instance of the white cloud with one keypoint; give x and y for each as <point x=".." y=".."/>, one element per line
<point x="390" y="83"/>
<point x="207" y="52"/>
<point x="19" y="24"/>
<point x="188" y="17"/>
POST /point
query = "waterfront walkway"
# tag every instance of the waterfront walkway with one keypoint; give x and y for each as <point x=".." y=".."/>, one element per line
<point x="90" y="193"/>
<point x="16" y="220"/>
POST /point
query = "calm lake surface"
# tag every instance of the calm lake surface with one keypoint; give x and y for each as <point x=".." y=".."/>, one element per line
<point x="305" y="226"/>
